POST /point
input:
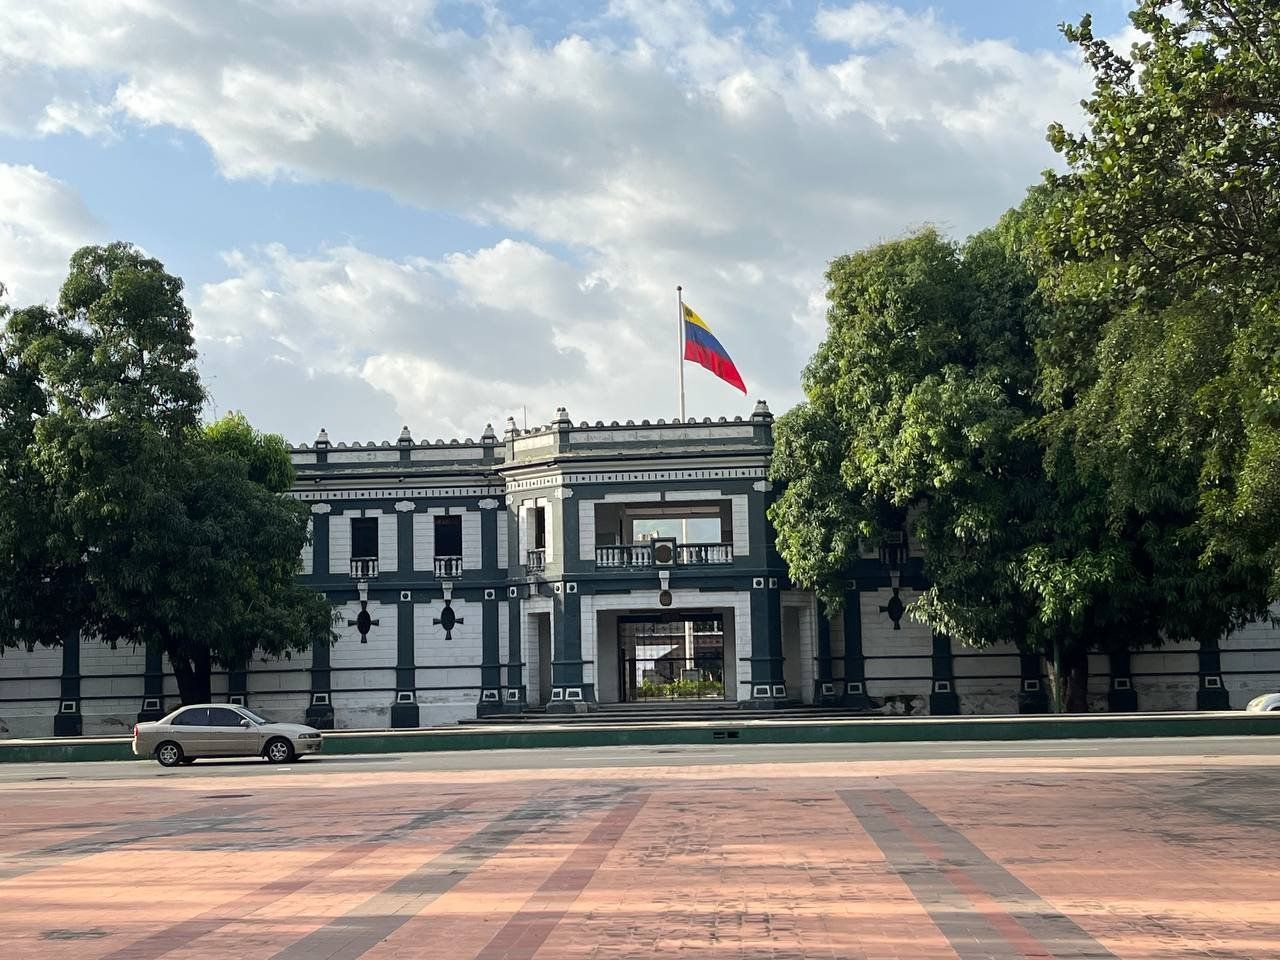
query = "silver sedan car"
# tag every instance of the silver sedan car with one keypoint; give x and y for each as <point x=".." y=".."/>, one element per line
<point x="1267" y="703"/>
<point x="221" y="730"/>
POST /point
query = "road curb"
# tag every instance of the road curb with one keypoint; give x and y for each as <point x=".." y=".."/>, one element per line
<point x="584" y="734"/>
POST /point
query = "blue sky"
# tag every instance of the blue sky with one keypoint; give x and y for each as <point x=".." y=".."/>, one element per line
<point x="441" y="213"/>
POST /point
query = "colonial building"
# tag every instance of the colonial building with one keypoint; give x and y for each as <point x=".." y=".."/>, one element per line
<point x="571" y="566"/>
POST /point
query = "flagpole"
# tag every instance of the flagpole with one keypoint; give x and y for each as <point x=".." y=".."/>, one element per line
<point x="680" y="346"/>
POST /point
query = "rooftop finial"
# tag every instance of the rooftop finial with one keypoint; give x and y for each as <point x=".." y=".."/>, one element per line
<point x="405" y="436"/>
<point x="488" y="436"/>
<point x="322" y="438"/>
<point x="761" y="412"/>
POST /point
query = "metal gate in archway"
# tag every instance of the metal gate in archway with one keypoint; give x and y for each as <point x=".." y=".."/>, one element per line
<point x="673" y="656"/>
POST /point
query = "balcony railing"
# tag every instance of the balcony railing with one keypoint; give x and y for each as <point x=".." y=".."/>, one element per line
<point x="700" y="554"/>
<point x="364" y="568"/>
<point x="448" y="567"/>
<point x="622" y="555"/>
<point x="536" y="560"/>
<point x="625" y="555"/>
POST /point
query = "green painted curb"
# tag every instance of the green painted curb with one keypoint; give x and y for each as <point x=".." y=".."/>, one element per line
<point x="582" y="734"/>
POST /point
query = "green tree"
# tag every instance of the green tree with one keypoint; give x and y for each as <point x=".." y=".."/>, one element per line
<point x="1170" y="214"/>
<point x="923" y="410"/>
<point x="178" y="537"/>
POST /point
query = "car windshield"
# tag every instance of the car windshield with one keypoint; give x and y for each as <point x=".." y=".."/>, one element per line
<point x="256" y="717"/>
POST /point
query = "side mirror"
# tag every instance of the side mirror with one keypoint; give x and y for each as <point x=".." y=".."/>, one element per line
<point x="246" y="723"/>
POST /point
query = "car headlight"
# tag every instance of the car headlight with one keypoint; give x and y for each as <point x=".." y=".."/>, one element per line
<point x="308" y="736"/>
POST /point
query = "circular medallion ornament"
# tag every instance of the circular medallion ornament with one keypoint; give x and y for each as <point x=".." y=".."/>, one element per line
<point x="448" y="619"/>
<point x="664" y="598"/>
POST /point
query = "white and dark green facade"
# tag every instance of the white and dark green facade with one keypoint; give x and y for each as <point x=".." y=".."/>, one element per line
<point x="571" y="566"/>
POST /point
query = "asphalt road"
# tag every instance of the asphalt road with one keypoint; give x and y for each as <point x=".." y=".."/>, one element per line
<point x="649" y="756"/>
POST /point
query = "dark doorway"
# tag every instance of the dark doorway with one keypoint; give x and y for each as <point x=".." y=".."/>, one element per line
<point x="672" y="656"/>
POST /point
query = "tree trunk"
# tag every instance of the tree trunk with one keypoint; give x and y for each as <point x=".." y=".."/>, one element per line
<point x="192" y="670"/>
<point x="1069" y="679"/>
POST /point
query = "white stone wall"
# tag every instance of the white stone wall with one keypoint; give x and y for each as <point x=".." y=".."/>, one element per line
<point x="454" y="662"/>
<point x="987" y="680"/>
<point x="388" y="537"/>
<point x="1251" y="662"/>
<point x="340" y="541"/>
<point x="111" y="686"/>
<point x="895" y="656"/>
<point x="348" y="651"/>
<point x="472" y="558"/>
<point x="587" y="530"/>
<point x="30" y="684"/>
<point x="741" y="534"/>
<point x="503" y="520"/>
<point x="424" y="539"/>
<point x="445" y="663"/>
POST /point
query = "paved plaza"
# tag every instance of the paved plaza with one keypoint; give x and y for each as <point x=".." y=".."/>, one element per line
<point x="680" y="853"/>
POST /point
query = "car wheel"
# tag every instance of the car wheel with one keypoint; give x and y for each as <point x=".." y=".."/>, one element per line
<point x="168" y="754"/>
<point x="278" y="750"/>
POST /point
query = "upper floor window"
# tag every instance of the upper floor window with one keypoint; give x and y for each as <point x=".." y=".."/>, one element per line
<point x="448" y="536"/>
<point x="538" y="518"/>
<point x="364" y="538"/>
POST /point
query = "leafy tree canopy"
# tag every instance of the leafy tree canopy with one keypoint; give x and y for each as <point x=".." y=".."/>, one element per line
<point x="1170" y="214"/>
<point x="170" y="534"/>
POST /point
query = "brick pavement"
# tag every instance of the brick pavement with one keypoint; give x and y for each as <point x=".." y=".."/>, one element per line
<point x="969" y="860"/>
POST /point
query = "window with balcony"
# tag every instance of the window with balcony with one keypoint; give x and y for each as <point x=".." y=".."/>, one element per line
<point x="448" y="551"/>
<point x="626" y="534"/>
<point x="364" y="538"/>
<point x="536" y="560"/>
<point x="364" y="548"/>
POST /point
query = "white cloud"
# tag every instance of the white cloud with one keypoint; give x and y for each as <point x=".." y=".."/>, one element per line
<point x="42" y="222"/>
<point x="649" y="148"/>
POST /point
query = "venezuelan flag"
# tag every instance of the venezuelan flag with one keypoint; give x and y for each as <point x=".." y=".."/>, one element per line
<point x="701" y="346"/>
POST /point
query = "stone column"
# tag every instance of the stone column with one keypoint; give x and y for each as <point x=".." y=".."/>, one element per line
<point x="152" y="687"/>
<point x="1211" y="693"/>
<point x="514" y="698"/>
<point x="1032" y="695"/>
<point x="320" y="708"/>
<point x="824" y="685"/>
<point x="1121" y="697"/>
<point x="943" y="700"/>
<point x="768" y="686"/>
<point x="404" y="712"/>
<point x="490" y="655"/>
<point x="238" y="684"/>
<point x="69" y="721"/>
<point x="854" y="693"/>
<point x="568" y="690"/>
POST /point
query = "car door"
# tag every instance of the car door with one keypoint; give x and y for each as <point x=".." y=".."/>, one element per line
<point x="232" y="739"/>
<point x="191" y="730"/>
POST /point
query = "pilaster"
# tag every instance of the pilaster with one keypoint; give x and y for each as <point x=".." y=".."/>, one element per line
<point x="1211" y="693"/>
<point x="152" y="686"/>
<point x="943" y="699"/>
<point x="69" y="721"/>
<point x="825" y="692"/>
<point x="569" y="692"/>
<point x="1121" y="697"/>
<point x="404" y="712"/>
<point x="854" y="691"/>
<point x="768" y="686"/>
<point x="1033" y="697"/>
